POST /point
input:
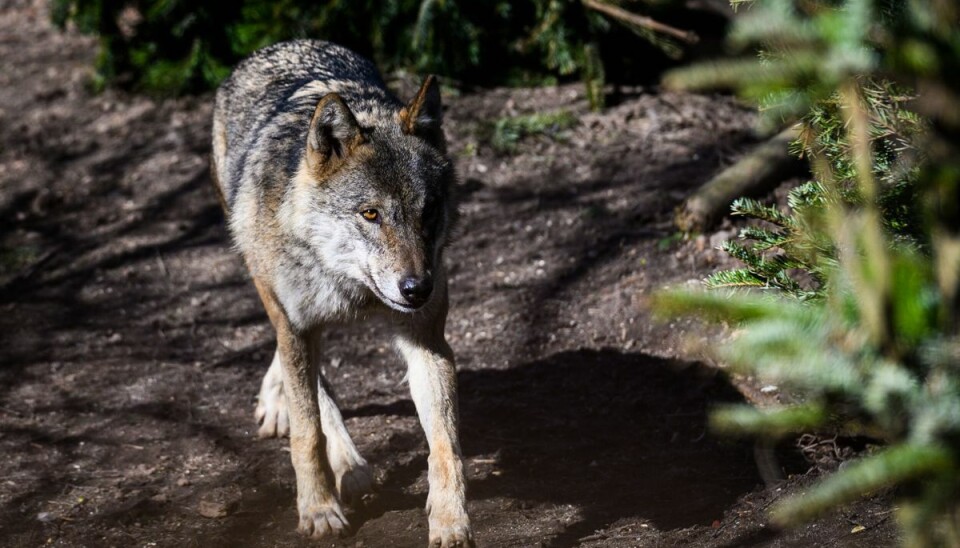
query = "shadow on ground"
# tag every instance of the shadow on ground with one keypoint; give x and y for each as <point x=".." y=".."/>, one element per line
<point x="616" y="435"/>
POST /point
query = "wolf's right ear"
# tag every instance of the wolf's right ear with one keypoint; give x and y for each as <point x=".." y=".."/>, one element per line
<point x="423" y="116"/>
<point x="334" y="133"/>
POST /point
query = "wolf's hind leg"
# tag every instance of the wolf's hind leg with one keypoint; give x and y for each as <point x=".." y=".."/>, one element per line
<point x="354" y="476"/>
<point x="271" y="412"/>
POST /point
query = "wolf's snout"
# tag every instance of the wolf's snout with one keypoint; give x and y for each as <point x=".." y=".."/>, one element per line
<point x="416" y="290"/>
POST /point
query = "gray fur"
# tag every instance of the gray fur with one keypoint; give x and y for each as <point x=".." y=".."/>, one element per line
<point x="263" y="111"/>
<point x="336" y="194"/>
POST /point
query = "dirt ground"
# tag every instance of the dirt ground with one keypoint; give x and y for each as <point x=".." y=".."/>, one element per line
<point x="133" y="342"/>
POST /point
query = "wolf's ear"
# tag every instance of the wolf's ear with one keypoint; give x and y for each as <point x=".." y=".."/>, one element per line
<point x="424" y="115"/>
<point x="334" y="133"/>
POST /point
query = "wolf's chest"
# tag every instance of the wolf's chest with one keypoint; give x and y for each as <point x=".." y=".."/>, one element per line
<point x="310" y="295"/>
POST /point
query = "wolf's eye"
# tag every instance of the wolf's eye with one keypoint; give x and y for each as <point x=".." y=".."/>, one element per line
<point x="371" y="215"/>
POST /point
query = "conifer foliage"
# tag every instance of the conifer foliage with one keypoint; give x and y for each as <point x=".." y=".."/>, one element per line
<point x="872" y="345"/>
<point x="788" y="251"/>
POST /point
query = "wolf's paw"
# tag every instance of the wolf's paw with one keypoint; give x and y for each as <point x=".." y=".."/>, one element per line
<point x="322" y="519"/>
<point x="454" y="535"/>
<point x="450" y="529"/>
<point x="354" y="481"/>
<point x="271" y="413"/>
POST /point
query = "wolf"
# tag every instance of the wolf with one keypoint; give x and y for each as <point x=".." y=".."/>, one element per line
<point x="340" y="199"/>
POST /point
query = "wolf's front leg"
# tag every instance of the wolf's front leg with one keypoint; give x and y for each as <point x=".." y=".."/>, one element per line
<point x="433" y="385"/>
<point x="320" y="513"/>
<point x="319" y="509"/>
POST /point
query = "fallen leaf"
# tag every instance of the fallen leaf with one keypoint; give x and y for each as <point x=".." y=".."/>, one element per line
<point x="858" y="529"/>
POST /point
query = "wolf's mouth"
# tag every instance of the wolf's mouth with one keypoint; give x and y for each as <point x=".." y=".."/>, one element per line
<point x="402" y="307"/>
<point x="396" y="305"/>
<point x="406" y="306"/>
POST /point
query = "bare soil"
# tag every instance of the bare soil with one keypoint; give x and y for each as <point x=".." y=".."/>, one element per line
<point x="133" y="343"/>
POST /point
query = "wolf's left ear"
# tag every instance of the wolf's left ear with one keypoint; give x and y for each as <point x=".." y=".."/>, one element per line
<point x="334" y="134"/>
<point x="423" y="116"/>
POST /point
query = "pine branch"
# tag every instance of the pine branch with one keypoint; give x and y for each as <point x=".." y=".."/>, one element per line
<point x="727" y="306"/>
<point x="752" y="208"/>
<point x="734" y="278"/>
<point x="764" y="239"/>
<point x="742" y="253"/>
<point x="768" y="423"/>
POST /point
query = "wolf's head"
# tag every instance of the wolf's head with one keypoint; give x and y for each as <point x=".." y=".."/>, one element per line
<point x="374" y="200"/>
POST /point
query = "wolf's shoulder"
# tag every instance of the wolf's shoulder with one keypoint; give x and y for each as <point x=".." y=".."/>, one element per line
<point x="263" y="109"/>
<point x="292" y="63"/>
<point x="289" y="78"/>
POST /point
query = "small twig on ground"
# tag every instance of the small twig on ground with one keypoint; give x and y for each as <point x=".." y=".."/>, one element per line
<point x="595" y="536"/>
<point x="608" y="535"/>
<point x="9" y="411"/>
<point x="163" y="265"/>
<point x="866" y="527"/>
<point x="761" y="511"/>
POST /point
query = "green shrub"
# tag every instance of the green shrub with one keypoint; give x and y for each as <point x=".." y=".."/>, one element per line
<point x="872" y="346"/>
<point x="876" y="357"/>
<point x="789" y="251"/>
<point x="176" y="46"/>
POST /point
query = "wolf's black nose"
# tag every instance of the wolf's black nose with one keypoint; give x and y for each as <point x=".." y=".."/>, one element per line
<point x="416" y="290"/>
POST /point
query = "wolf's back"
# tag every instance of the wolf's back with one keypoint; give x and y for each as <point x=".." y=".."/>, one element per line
<point x="263" y="109"/>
